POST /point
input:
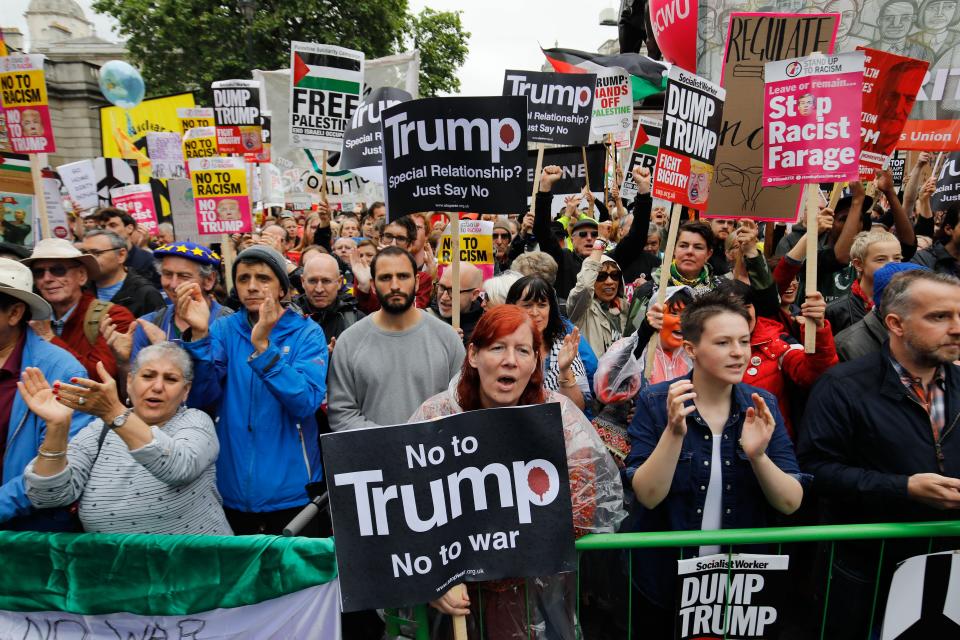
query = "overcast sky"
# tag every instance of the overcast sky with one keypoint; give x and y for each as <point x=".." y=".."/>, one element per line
<point x="505" y="34"/>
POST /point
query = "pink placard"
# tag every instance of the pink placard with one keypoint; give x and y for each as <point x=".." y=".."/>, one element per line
<point x="137" y="200"/>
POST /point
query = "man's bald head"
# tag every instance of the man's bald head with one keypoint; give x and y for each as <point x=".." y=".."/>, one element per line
<point x="321" y="280"/>
<point x="471" y="277"/>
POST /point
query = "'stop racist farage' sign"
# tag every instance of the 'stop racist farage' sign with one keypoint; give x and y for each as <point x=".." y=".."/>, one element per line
<point x="559" y="105"/>
<point x="498" y="506"/>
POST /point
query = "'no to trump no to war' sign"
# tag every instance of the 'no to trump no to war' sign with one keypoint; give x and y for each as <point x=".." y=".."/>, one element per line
<point x="23" y="90"/>
<point x="811" y="119"/>
<point x="455" y="154"/>
<point x="220" y="195"/>
<point x="478" y="496"/>
<point x="326" y="86"/>
<point x="736" y="596"/>
<point x="559" y="105"/>
<point x="688" y="146"/>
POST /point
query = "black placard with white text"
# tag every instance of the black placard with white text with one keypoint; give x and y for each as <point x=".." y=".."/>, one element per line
<point x="362" y="145"/>
<point x="455" y="154"/>
<point x="570" y="161"/>
<point x="473" y="497"/>
<point x="948" y="184"/>
<point x="559" y="105"/>
<point x="236" y="112"/>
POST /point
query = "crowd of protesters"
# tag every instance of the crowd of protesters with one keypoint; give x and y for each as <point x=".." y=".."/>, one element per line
<point x="138" y="396"/>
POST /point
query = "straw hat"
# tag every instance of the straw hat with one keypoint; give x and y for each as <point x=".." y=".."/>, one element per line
<point x="16" y="281"/>
<point x="60" y="249"/>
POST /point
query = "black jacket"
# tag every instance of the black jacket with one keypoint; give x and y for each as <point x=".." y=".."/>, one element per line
<point x="143" y="262"/>
<point x="468" y="318"/>
<point x="846" y="311"/>
<point x="865" y="336"/>
<point x="138" y="295"/>
<point x="864" y="435"/>
<point x="336" y="318"/>
<point x="938" y="259"/>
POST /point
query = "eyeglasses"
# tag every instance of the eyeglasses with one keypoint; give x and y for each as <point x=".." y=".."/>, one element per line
<point x="448" y="291"/>
<point x="57" y="271"/>
<point x="100" y="252"/>
<point x="587" y="234"/>
<point x="389" y="238"/>
<point x="613" y="275"/>
<point x="501" y="236"/>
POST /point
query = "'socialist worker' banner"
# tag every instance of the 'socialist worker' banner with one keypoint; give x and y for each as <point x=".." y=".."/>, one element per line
<point x="572" y="172"/>
<point x="613" y="104"/>
<point x="23" y="89"/>
<point x="137" y="200"/>
<point x="220" y="195"/>
<point x="810" y="119"/>
<point x="736" y="596"/>
<point x="890" y="85"/>
<point x="327" y="83"/>
<point x="362" y="141"/>
<point x="754" y="39"/>
<point x="194" y="117"/>
<point x="692" y="114"/>
<point x="236" y="113"/>
<point x="476" y="247"/>
<point x="948" y="184"/>
<point x="473" y="497"/>
<point x="455" y="154"/>
<point x="645" y="146"/>
<point x="559" y="105"/>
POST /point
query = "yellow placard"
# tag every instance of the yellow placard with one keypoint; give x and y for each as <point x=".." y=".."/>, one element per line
<point x="476" y="245"/>
<point x="23" y="88"/>
<point x="156" y="114"/>
<point x="205" y="147"/>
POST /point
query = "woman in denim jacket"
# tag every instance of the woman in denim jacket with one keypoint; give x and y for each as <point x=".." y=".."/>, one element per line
<point x="707" y="451"/>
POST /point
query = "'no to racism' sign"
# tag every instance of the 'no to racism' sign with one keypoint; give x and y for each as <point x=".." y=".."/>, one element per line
<point x="559" y="105"/>
<point x="478" y="496"/>
<point x="455" y="154"/>
<point x="220" y="195"/>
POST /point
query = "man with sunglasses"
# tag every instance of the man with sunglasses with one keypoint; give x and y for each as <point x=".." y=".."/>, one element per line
<point x="116" y="283"/>
<point x="502" y="237"/>
<point x="60" y="272"/>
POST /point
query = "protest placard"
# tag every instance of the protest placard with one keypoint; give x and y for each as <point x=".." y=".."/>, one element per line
<point x="559" y="105"/>
<point x="326" y="87"/>
<point x="362" y="142"/>
<point x="56" y="216"/>
<point x="23" y="89"/>
<point x="896" y="166"/>
<point x="948" y="184"/>
<point x="812" y="107"/>
<point x="194" y="117"/>
<point x="516" y="522"/>
<point x="199" y="143"/>
<point x="455" y="154"/>
<point x="692" y="112"/>
<point x="644" y="154"/>
<point x="890" y="86"/>
<point x="263" y="155"/>
<point x="112" y="173"/>
<point x="753" y="39"/>
<point x="165" y="149"/>
<point x="16" y="218"/>
<point x="80" y="180"/>
<point x="236" y="114"/>
<point x="922" y="603"/>
<point x="573" y="173"/>
<point x="137" y="200"/>
<point x="612" y="104"/>
<point x="476" y="247"/>
<point x="183" y="211"/>
<point x="220" y="195"/>
<point x="119" y="126"/>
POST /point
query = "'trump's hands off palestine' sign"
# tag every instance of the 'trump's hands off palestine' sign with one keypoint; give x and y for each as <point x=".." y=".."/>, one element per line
<point x="23" y="90"/>
<point x="688" y="148"/>
<point x="326" y="85"/>
<point x="736" y="596"/>
<point x="455" y="154"/>
<point x="220" y="195"/>
<point x="236" y="111"/>
<point x="810" y="119"/>
<point x="560" y="105"/>
<point x="478" y="496"/>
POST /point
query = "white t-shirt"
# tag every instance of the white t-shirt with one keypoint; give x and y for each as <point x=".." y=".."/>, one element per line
<point x="713" y="507"/>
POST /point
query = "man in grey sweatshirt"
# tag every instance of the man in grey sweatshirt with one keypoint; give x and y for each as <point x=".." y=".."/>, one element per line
<point x="388" y="363"/>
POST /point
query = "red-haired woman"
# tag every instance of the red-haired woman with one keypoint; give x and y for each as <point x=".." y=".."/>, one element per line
<point x="503" y="369"/>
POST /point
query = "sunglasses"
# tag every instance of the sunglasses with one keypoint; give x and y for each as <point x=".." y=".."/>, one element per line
<point x="613" y="275"/>
<point x="587" y="234"/>
<point x="501" y="236"/>
<point x="57" y="271"/>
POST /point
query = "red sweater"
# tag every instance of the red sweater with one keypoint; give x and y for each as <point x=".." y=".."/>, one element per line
<point x="74" y="340"/>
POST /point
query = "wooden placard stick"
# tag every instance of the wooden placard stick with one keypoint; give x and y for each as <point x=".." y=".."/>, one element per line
<point x="835" y="194"/>
<point x="810" y="334"/>
<point x="226" y="246"/>
<point x="606" y="167"/>
<point x="664" y="281"/>
<point x="460" y="622"/>
<point x="36" y="173"/>
<point x="937" y="165"/>
<point x="323" y="178"/>
<point x="586" y="172"/>
<point x="455" y="267"/>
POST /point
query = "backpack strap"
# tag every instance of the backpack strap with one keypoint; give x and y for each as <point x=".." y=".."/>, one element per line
<point x="91" y="320"/>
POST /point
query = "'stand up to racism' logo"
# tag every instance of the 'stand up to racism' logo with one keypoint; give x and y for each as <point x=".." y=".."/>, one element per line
<point x="794" y="69"/>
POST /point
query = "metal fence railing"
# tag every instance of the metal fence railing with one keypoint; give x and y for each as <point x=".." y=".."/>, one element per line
<point x="415" y="626"/>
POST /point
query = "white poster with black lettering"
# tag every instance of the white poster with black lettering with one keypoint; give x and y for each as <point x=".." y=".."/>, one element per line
<point x="733" y="596"/>
<point x="559" y="105"/>
<point x="612" y="106"/>
<point x="326" y="87"/>
<point x="362" y="141"/>
<point x="644" y="154"/>
<point x="236" y="113"/>
<point x="455" y="154"/>
<point x="948" y="184"/>
<point x="80" y="180"/>
<point x="473" y="497"/>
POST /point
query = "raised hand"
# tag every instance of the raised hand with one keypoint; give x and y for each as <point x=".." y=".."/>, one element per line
<point x="884" y="181"/>
<point x="549" y="176"/>
<point x="270" y="313"/>
<point x="655" y="315"/>
<point x="568" y="351"/>
<point x="43" y="329"/>
<point x="120" y="342"/>
<point x="757" y="429"/>
<point x="362" y="274"/>
<point x="526" y="228"/>
<point x="641" y="177"/>
<point x="36" y="392"/>
<point x="98" y="399"/>
<point x="677" y="409"/>
<point x="193" y="309"/>
<point x="154" y="333"/>
<point x="814" y="308"/>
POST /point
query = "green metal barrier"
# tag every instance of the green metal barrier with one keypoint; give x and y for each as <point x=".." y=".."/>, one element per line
<point x="726" y="537"/>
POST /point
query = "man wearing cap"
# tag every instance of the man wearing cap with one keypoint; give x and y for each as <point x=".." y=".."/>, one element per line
<point x="116" y="283"/>
<point x="502" y="237"/>
<point x="21" y="429"/>
<point x="60" y="272"/>
<point x="266" y="366"/>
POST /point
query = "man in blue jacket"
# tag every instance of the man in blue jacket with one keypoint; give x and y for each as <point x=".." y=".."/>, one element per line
<point x="266" y="366"/>
<point x="21" y="431"/>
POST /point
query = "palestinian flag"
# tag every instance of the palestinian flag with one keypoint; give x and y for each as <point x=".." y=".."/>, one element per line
<point x="327" y="72"/>
<point x="648" y="76"/>
<point x="94" y="586"/>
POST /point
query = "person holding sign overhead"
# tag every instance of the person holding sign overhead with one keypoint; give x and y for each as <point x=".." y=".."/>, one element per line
<point x="504" y="368"/>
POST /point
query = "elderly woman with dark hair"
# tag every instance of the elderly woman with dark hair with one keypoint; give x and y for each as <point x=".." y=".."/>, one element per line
<point x="148" y="469"/>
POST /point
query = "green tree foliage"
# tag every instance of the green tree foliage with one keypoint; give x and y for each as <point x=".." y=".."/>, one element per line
<point x="185" y="45"/>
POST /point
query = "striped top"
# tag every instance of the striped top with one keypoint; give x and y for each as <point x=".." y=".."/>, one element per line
<point x="167" y="486"/>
